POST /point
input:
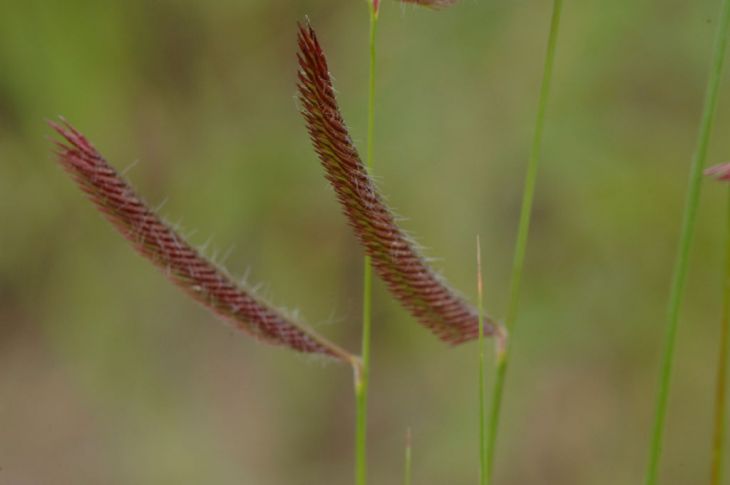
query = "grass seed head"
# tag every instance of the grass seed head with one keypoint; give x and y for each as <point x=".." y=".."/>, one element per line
<point x="150" y="236"/>
<point x="395" y="257"/>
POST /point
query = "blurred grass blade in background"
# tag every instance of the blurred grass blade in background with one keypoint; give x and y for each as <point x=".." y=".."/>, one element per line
<point x="482" y="363"/>
<point x="722" y="173"/>
<point x="523" y="231"/>
<point x="685" y="244"/>
<point x="408" y="462"/>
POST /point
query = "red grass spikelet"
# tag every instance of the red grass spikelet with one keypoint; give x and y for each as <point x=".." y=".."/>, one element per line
<point x="394" y="255"/>
<point x="178" y="260"/>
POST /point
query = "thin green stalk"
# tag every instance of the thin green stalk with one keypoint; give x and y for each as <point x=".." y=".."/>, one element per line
<point x="361" y="387"/>
<point x="363" y="376"/>
<point x="408" y="459"/>
<point x="685" y="243"/>
<point x="718" y="451"/>
<point x="482" y="408"/>
<point x="528" y="197"/>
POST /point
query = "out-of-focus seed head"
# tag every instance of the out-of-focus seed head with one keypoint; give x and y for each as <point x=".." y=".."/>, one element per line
<point x="719" y="172"/>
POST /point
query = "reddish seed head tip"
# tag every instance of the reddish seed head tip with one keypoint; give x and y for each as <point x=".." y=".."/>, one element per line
<point x="376" y="6"/>
<point x="56" y="126"/>
<point x="303" y="26"/>
<point x="72" y="136"/>
<point x="719" y="172"/>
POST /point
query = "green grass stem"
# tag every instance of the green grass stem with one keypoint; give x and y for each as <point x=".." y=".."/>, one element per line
<point x="720" y="418"/>
<point x="408" y="472"/>
<point x="482" y="359"/>
<point x="685" y="243"/>
<point x="528" y="196"/>
<point x="363" y="376"/>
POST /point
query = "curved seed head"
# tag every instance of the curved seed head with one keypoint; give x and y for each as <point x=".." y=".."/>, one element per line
<point x="179" y="261"/>
<point x="394" y="256"/>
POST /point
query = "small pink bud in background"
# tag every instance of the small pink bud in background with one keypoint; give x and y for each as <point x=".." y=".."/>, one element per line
<point x="431" y="3"/>
<point x="719" y="172"/>
<point x="376" y="6"/>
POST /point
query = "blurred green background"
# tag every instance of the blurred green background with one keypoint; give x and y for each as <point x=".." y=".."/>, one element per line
<point x="108" y="374"/>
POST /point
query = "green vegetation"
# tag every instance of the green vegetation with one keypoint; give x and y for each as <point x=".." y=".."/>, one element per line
<point x="109" y="374"/>
<point x="687" y="234"/>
